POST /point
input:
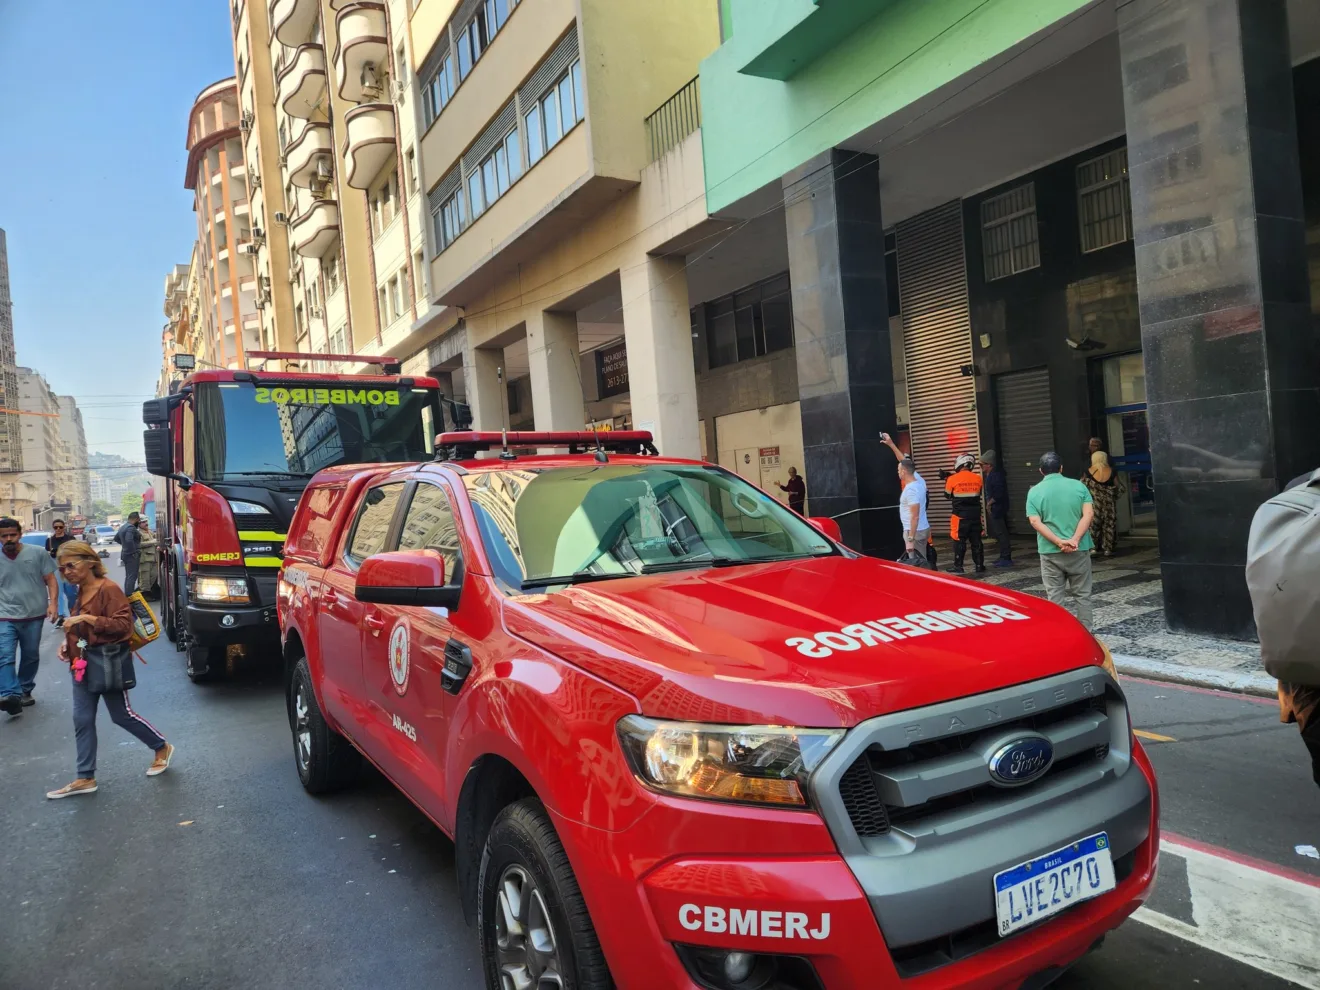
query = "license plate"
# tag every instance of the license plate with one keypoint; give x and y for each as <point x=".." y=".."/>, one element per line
<point x="1044" y="886"/>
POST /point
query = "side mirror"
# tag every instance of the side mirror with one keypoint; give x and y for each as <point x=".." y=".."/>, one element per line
<point x="827" y="527"/>
<point x="407" y="577"/>
<point x="158" y="451"/>
<point x="156" y="412"/>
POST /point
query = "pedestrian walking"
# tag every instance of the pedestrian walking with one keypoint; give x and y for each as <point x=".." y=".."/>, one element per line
<point x="912" y="507"/>
<point x="797" y="492"/>
<point x="932" y="557"/>
<point x="27" y="595"/>
<point x="130" y="539"/>
<point x="1060" y="512"/>
<point x="1101" y="481"/>
<point x="963" y="489"/>
<point x="1283" y="571"/>
<point x="96" y="636"/>
<point x="996" y="505"/>
<point x="59" y="536"/>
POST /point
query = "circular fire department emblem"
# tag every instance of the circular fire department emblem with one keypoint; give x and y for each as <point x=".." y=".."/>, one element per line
<point x="399" y="657"/>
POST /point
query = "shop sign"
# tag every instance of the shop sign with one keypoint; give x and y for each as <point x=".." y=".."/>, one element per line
<point x="612" y="369"/>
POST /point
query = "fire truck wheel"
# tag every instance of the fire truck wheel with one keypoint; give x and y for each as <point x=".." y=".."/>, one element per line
<point x="325" y="760"/>
<point x="168" y="613"/>
<point x="534" y="925"/>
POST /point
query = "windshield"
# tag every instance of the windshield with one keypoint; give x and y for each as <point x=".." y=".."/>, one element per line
<point x="561" y="525"/>
<point x="245" y="429"/>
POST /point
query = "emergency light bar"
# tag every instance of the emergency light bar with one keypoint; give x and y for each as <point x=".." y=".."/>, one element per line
<point x="392" y="365"/>
<point x="461" y="446"/>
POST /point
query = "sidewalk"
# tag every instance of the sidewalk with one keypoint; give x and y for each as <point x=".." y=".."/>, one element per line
<point x="1128" y="599"/>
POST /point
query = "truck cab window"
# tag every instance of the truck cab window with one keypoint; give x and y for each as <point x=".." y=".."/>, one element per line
<point x="372" y="527"/>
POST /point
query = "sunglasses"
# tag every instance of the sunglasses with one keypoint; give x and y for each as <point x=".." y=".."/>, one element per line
<point x="71" y="566"/>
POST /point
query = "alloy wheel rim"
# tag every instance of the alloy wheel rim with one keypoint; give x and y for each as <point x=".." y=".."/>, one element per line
<point x="526" y="950"/>
<point x="302" y="728"/>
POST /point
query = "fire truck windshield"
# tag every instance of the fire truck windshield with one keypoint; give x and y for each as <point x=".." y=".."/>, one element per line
<point x="299" y="427"/>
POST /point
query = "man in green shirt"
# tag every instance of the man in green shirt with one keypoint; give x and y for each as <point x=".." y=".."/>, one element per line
<point x="1060" y="511"/>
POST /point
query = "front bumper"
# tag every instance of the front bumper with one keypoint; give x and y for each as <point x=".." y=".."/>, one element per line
<point x="216" y="625"/>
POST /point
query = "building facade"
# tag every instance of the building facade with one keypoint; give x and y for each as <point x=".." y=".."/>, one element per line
<point x="78" y="486"/>
<point x="228" y="322"/>
<point x="47" y="463"/>
<point x="11" y="445"/>
<point x="329" y="129"/>
<point x="1084" y="220"/>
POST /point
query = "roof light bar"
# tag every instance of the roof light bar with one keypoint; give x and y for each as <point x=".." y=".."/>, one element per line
<point x="460" y="446"/>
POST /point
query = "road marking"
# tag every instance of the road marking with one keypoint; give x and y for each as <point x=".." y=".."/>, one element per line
<point x="1152" y="736"/>
<point x="1258" y="913"/>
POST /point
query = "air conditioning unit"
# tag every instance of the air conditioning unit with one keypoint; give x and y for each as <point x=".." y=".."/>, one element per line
<point x="254" y="179"/>
<point x="324" y="170"/>
<point x="258" y="235"/>
<point x="264" y="282"/>
<point x="249" y="249"/>
<point x="281" y="218"/>
<point x="245" y="123"/>
<point x="400" y="89"/>
<point x="369" y="78"/>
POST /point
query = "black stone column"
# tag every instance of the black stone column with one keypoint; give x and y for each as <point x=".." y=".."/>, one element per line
<point x="836" y="263"/>
<point x="1230" y="352"/>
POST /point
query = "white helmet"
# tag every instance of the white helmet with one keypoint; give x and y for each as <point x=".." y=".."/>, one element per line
<point x="965" y="462"/>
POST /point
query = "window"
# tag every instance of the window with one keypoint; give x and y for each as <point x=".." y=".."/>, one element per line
<point x="338" y="341"/>
<point x="396" y="295"/>
<point x="372" y="526"/>
<point x="429" y="525"/>
<point x="555" y="114"/>
<point x="448" y="221"/>
<point x="330" y="268"/>
<point x="750" y="323"/>
<point x="497" y="12"/>
<point x="475" y="195"/>
<point x="1009" y="238"/>
<point x="471" y="42"/>
<point x="496" y="173"/>
<point x="411" y="159"/>
<point x="438" y="90"/>
<point x="401" y="64"/>
<point x="383" y="302"/>
<point x="1104" y="201"/>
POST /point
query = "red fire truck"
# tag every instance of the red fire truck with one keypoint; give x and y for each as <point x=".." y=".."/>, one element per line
<point x="236" y="449"/>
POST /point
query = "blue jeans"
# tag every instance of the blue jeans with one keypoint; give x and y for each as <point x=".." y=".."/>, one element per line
<point x="19" y="635"/>
<point x="67" y="599"/>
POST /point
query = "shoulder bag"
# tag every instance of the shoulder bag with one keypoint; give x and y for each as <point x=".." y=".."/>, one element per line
<point x="109" y="668"/>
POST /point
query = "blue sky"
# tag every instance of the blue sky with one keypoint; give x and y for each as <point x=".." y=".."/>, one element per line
<point x="93" y="122"/>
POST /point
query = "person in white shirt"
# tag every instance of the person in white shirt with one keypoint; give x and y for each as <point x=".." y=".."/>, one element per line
<point x="912" y="506"/>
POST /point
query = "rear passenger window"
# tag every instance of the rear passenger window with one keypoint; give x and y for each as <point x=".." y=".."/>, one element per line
<point x="430" y="525"/>
<point x="372" y="525"/>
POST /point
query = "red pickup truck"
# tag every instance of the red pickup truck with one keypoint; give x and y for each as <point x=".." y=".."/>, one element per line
<point x="681" y="737"/>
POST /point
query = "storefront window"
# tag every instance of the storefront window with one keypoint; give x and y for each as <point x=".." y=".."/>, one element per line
<point x="750" y="323"/>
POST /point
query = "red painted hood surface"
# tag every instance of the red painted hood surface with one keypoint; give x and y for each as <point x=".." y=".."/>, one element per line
<point x="713" y="645"/>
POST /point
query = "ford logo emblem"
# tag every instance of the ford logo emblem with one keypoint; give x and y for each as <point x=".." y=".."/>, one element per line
<point x="1020" y="760"/>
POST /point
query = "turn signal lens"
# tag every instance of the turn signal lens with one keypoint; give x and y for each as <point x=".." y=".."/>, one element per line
<point x="1108" y="662"/>
<point x="754" y="764"/>
<point x="230" y="591"/>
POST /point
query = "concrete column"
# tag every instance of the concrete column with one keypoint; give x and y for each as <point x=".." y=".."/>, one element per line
<point x="1232" y="370"/>
<point x="482" y="384"/>
<point x="552" y="351"/>
<point x="657" y="330"/>
<point x="836" y="263"/>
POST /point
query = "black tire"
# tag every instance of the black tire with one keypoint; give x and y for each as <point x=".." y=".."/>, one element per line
<point x="522" y="848"/>
<point x="325" y="760"/>
<point x="167" y="612"/>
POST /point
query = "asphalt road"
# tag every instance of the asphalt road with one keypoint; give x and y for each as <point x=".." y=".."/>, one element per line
<point x="223" y="873"/>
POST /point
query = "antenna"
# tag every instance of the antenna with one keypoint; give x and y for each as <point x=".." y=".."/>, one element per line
<point x="504" y="417"/>
<point x="600" y="451"/>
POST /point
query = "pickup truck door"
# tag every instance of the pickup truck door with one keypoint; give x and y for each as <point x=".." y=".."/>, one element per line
<point x="341" y="616"/>
<point x="403" y="656"/>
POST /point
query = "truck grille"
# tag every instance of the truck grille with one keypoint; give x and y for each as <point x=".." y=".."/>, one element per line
<point x="913" y="809"/>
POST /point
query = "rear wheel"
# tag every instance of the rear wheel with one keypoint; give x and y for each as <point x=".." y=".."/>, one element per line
<point x="325" y="759"/>
<point x="534" y="926"/>
<point x="168" y="614"/>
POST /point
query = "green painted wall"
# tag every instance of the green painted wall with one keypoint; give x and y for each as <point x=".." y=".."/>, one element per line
<point x="754" y="129"/>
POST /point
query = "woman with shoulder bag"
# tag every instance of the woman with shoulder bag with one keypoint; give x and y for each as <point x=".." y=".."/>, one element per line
<point x="96" y="648"/>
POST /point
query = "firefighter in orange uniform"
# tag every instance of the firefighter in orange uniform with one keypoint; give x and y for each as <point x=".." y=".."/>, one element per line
<point x="963" y="488"/>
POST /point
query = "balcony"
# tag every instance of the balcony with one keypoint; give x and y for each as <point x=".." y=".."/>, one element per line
<point x="370" y="143"/>
<point x="316" y="229"/>
<point x="362" y="56"/>
<point x="313" y="145"/>
<point x="302" y="83"/>
<point x="293" y="20"/>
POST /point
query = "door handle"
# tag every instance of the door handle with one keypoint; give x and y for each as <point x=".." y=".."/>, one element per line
<point x="374" y="622"/>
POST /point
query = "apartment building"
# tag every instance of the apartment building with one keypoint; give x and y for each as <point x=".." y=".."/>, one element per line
<point x="176" y="335"/>
<point x="47" y="464"/>
<point x="328" y="123"/>
<point x="228" y="321"/>
<point x="78" y="485"/>
<point x="11" y="446"/>
<point x="561" y="207"/>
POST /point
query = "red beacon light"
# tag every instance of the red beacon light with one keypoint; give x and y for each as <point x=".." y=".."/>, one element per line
<point x="465" y="445"/>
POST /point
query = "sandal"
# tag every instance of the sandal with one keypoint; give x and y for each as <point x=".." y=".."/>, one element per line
<point x="82" y="785"/>
<point x="162" y="761"/>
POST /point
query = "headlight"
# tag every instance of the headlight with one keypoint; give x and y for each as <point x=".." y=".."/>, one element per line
<point x="1108" y="662"/>
<point x="218" y="589"/>
<point x="760" y="764"/>
<point x="246" y="508"/>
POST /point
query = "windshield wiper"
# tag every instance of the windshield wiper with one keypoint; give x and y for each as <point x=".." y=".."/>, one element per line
<point x="678" y="565"/>
<point x="581" y="577"/>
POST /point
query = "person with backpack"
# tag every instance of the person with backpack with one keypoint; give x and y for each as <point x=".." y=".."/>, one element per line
<point x="96" y="648"/>
<point x="1283" y="573"/>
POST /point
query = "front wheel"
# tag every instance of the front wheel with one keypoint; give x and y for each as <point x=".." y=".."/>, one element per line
<point x="326" y="761"/>
<point x="534" y="925"/>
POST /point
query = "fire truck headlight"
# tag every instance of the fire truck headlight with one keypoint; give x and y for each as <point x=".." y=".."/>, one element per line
<point x="753" y="764"/>
<point x="246" y="508"/>
<point x="229" y="591"/>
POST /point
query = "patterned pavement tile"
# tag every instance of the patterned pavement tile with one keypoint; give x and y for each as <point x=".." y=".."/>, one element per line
<point x="1129" y="593"/>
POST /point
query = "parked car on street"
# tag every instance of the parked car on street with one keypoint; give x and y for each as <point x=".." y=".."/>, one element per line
<point x="682" y="737"/>
<point x="103" y="534"/>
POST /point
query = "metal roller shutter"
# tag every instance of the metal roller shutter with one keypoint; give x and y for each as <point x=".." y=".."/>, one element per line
<point x="937" y="342"/>
<point x="1026" y="430"/>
